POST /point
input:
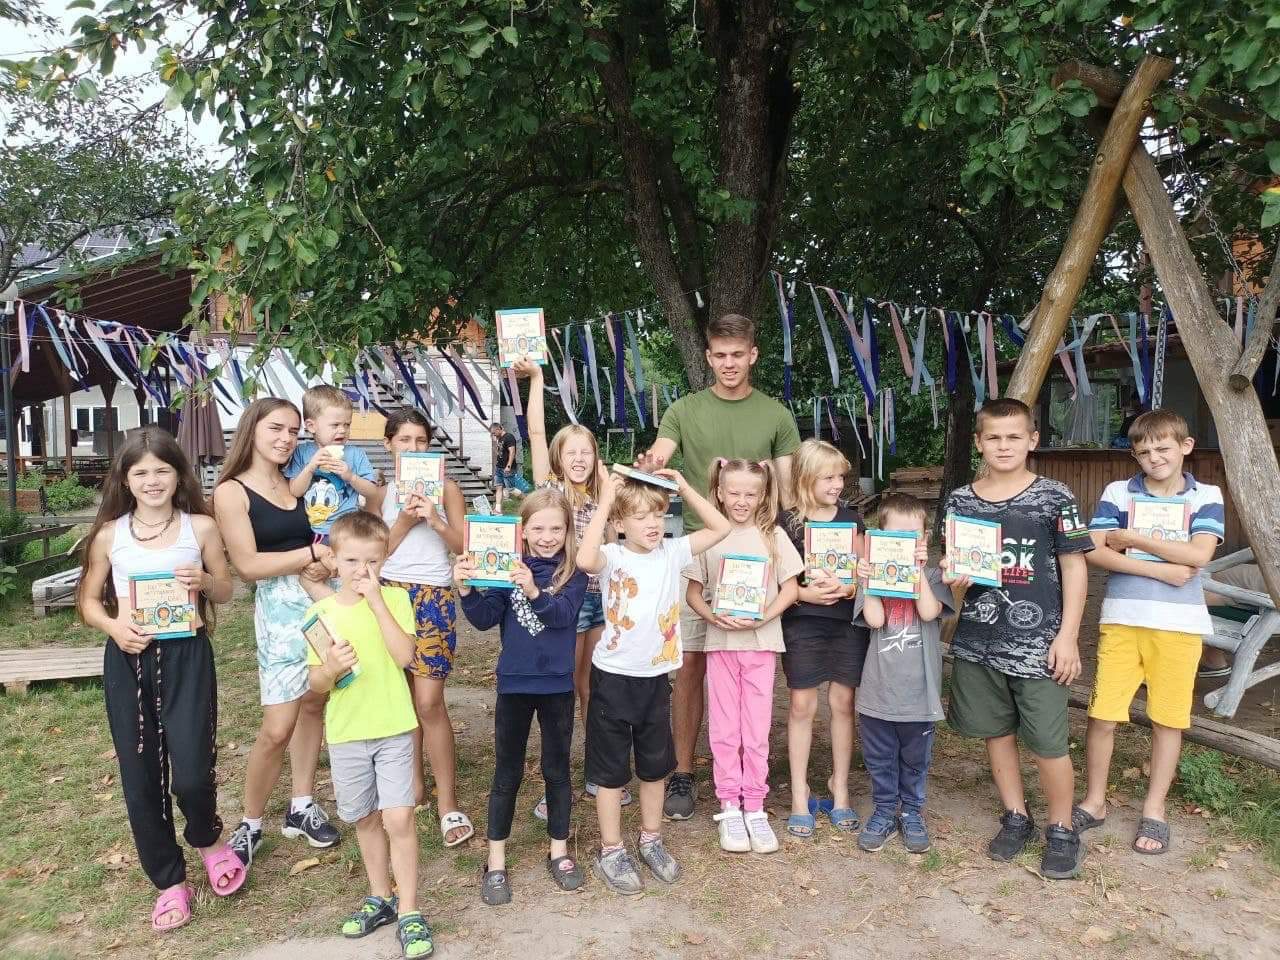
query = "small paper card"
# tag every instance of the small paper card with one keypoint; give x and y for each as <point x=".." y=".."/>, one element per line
<point x="892" y="556"/>
<point x="631" y="473"/>
<point x="741" y="588"/>
<point x="831" y="547"/>
<point x="420" y="473"/>
<point x="1161" y="518"/>
<point x="320" y="638"/>
<point x="494" y="545"/>
<point x="975" y="548"/>
<point x="162" y="607"/>
<point x="522" y="335"/>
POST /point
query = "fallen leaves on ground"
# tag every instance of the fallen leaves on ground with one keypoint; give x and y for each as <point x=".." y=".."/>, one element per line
<point x="302" y="865"/>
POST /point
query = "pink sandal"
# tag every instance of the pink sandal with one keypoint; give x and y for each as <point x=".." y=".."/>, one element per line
<point x="174" y="900"/>
<point x="226" y="873"/>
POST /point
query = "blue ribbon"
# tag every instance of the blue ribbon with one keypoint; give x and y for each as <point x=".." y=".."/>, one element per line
<point x="619" y="372"/>
<point x="1144" y="357"/>
<point x="873" y="345"/>
<point x="637" y="366"/>
<point x="921" y="371"/>
<point x="832" y="362"/>
<point x="1010" y="324"/>
<point x="589" y="357"/>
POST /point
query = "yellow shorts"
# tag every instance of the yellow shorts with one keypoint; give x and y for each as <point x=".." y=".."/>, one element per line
<point x="1166" y="661"/>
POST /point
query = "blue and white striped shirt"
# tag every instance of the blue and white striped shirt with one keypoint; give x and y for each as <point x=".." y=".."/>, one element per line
<point x="1143" y="601"/>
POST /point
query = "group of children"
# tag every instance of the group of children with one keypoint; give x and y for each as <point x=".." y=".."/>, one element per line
<point x="594" y="617"/>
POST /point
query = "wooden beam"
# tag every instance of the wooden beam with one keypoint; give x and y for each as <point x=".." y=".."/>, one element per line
<point x="108" y="394"/>
<point x="1093" y="219"/>
<point x="1253" y="473"/>
<point x="1255" y="347"/>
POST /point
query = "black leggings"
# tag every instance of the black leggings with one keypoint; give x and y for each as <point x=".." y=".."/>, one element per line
<point x="512" y="718"/>
<point x="162" y="707"/>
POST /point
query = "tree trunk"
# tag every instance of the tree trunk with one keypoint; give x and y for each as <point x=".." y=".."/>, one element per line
<point x="1252" y="471"/>
<point x="957" y="459"/>
<point x="1089" y="229"/>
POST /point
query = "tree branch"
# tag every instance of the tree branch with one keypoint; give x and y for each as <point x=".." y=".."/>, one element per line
<point x="1255" y="347"/>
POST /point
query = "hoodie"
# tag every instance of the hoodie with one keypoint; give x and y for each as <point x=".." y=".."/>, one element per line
<point x="538" y="636"/>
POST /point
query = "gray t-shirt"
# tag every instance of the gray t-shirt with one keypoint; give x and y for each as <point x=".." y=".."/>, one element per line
<point x="902" y="676"/>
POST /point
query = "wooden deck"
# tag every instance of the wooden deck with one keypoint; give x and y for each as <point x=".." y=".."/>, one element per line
<point x="19" y="668"/>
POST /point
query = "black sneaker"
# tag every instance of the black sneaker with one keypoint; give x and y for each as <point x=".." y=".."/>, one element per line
<point x="1015" y="830"/>
<point x="1061" y="859"/>
<point x="245" y="842"/>
<point x="312" y="823"/>
<point x="680" y="798"/>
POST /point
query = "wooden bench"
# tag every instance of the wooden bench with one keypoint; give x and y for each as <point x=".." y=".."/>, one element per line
<point x="19" y="668"/>
<point x="55" y="592"/>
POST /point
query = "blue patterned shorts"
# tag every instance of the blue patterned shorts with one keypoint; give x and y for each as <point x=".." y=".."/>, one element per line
<point x="279" y="605"/>
<point x="435" y="614"/>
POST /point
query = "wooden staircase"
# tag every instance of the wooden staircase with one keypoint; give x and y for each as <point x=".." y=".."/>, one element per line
<point x="457" y="466"/>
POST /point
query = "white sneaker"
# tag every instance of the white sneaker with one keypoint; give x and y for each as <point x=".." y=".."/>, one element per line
<point x="763" y="839"/>
<point x="733" y="831"/>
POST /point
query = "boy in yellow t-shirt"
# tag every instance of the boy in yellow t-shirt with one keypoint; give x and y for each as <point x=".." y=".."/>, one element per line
<point x="368" y="721"/>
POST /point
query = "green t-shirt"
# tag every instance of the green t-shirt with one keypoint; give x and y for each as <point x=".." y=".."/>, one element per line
<point x="377" y="703"/>
<point x="703" y="427"/>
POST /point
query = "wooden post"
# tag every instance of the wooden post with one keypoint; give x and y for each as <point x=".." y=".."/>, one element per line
<point x="1253" y="473"/>
<point x="108" y="394"/>
<point x="1093" y="220"/>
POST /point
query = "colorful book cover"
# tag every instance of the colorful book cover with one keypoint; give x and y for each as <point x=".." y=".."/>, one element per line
<point x="494" y="545"/>
<point x="1161" y="518"/>
<point x="631" y="473"/>
<point x="742" y="586"/>
<point x="162" y="607"/>
<point x="320" y="639"/>
<point x="522" y="335"/>
<point x="892" y="556"/>
<point x="420" y="473"/>
<point x="975" y="548"/>
<point x="831" y="547"/>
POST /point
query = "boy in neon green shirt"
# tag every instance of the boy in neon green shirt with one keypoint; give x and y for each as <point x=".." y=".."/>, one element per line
<point x="368" y="721"/>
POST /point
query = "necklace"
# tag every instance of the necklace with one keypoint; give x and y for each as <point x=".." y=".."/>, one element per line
<point x="159" y="533"/>
<point x="139" y="520"/>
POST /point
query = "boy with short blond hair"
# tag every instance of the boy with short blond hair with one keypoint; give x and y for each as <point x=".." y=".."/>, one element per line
<point x="369" y="720"/>
<point x="1017" y="647"/>
<point x="1153" y="619"/>
<point x="629" y="710"/>
<point x="329" y="474"/>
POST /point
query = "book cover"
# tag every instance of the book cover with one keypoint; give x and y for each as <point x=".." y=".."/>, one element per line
<point x="1161" y="518"/>
<point x="831" y="547"/>
<point x="494" y="545"/>
<point x="975" y="548"/>
<point x="892" y="556"/>
<point x="631" y="473"/>
<point x="522" y="335"/>
<point x="320" y="639"/>
<point x="742" y="586"/>
<point x="162" y="607"/>
<point x="420" y="473"/>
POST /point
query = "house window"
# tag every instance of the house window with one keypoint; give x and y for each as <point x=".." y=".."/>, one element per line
<point x="84" y="418"/>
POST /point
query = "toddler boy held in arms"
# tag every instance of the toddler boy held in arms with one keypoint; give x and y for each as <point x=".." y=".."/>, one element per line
<point x="329" y="474"/>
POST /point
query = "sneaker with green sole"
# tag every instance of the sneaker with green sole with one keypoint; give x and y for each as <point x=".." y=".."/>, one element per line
<point x="415" y="936"/>
<point x="373" y="913"/>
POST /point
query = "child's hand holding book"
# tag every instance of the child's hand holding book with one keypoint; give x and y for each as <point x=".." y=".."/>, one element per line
<point x="340" y="660"/>
<point x="464" y="569"/>
<point x="126" y="636"/>
<point x="522" y="577"/>
<point x="191" y="577"/>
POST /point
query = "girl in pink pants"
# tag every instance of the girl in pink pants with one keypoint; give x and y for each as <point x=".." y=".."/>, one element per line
<point x="750" y="578"/>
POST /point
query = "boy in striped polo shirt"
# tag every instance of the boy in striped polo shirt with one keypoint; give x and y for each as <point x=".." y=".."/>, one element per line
<point x="1153" y="619"/>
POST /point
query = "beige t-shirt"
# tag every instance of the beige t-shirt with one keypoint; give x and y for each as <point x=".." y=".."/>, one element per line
<point x="747" y="541"/>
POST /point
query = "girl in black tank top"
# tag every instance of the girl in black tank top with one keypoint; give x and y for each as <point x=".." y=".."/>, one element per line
<point x="275" y="529"/>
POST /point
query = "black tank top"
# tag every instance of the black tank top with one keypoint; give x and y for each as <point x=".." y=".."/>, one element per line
<point x="276" y="530"/>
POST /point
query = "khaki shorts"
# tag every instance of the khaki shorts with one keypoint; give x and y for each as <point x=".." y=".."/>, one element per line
<point x="693" y="629"/>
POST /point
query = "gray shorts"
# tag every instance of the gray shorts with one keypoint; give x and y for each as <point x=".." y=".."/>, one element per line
<point x="371" y="775"/>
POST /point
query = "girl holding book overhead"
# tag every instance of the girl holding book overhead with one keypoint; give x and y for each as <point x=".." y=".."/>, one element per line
<point x="424" y="511"/>
<point x="153" y="568"/>
<point x="823" y="644"/>
<point x="571" y="464"/>
<point x="537" y="619"/>
<point x="750" y="576"/>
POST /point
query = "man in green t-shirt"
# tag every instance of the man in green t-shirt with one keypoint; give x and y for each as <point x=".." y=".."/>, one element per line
<point x="733" y="420"/>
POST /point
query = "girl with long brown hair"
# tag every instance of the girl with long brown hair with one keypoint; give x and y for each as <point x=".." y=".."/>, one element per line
<point x="270" y="542"/>
<point x="159" y="685"/>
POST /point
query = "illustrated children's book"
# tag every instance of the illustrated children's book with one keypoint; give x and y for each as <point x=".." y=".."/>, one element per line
<point x="831" y="547"/>
<point x="1161" y="518"/>
<point x="162" y="607"/>
<point x="741" y="588"/>
<point x="522" y="335"/>
<point x="892" y="556"/>
<point x="420" y="473"/>
<point x="494" y="545"/>
<point x="975" y="548"/>
<point x="631" y="473"/>
<point x="321" y="638"/>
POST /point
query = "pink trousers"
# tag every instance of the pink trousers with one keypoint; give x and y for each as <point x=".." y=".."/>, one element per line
<point x="740" y="712"/>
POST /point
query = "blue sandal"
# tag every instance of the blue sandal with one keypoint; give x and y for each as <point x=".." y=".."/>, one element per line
<point x="801" y="825"/>
<point x="843" y="818"/>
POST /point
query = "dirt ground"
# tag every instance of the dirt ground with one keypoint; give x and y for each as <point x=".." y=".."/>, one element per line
<point x="1210" y="897"/>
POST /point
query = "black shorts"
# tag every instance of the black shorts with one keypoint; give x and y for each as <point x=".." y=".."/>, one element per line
<point x="821" y="649"/>
<point x="625" y="713"/>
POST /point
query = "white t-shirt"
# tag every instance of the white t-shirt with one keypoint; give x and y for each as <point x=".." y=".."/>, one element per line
<point x="641" y="594"/>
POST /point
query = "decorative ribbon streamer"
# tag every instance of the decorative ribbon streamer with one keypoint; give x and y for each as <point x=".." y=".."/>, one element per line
<point x="919" y="370"/>
<point x="830" y="347"/>
<point x="1139" y="375"/>
<point x="993" y="374"/>
<point x="901" y="337"/>
<point x="24" y="346"/>
<point x="785" y="316"/>
<point x="835" y="431"/>
<point x="978" y="377"/>
<point x="637" y="368"/>
<point x="562" y="386"/>
<point x="851" y="407"/>
<point x="464" y="383"/>
<point x="1144" y="354"/>
<point x="1010" y="324"/>
<point x="589" y="346"/>
<point x="817" y="420"/>
<point x="869" y="338"/>
<point x="1157" y="375"/>
<point x="619" y="371"/>
<point x="857" y="346"/>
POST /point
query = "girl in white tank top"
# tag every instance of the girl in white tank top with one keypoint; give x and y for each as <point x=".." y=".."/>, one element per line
<point x="158" y="678"/>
